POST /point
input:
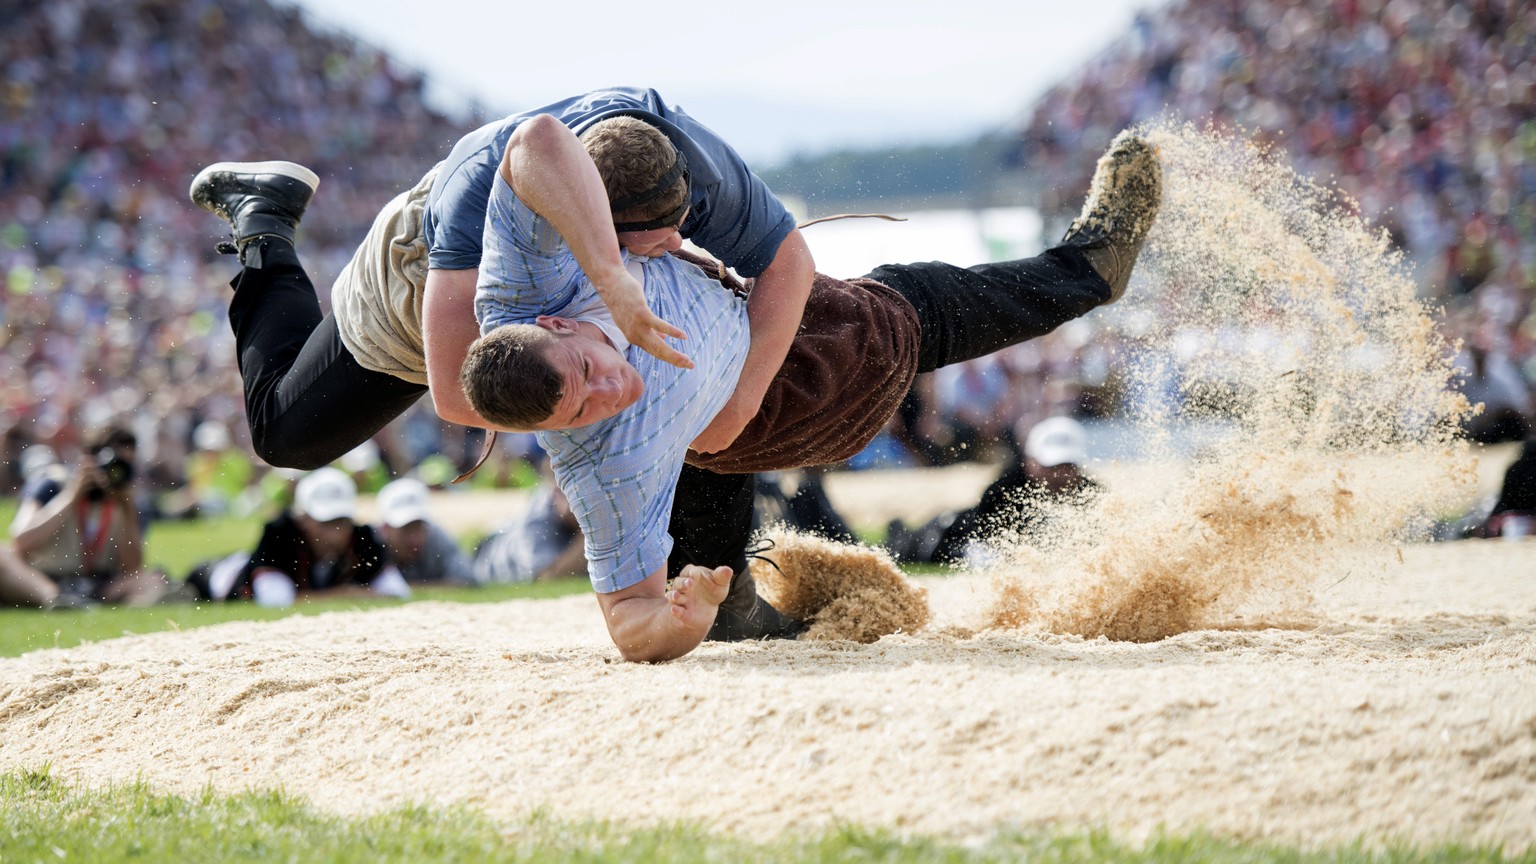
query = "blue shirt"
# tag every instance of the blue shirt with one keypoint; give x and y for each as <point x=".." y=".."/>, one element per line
<point x="619" y="474"/>
<point x="733" y="215"/>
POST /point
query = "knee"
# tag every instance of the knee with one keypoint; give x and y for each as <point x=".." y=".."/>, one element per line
<point x="285" y="452"/>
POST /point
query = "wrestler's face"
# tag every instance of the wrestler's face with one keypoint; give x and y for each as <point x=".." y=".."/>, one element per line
<point x="599" y="382"/>
<point x="653" y="243"/>
<point x="326" y="539"/>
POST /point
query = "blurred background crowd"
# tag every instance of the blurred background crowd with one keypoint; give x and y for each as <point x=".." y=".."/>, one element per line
<point x="113" y="302"/>
<point x="1422" y="111"/>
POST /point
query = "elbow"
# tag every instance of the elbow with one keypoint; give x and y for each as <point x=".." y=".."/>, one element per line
<point x="536" y="134"/>
<point x="639" y="650"/>
<point x="451" y="412"/>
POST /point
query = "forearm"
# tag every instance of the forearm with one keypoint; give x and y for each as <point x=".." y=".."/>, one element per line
<point x="44" y="523"/>
<point x="549" y="169"/>
<point x="652" y="621"/>
<point x="448" y="329"/>
<point x="774" y="319"/>
<point x="774" y="310"/>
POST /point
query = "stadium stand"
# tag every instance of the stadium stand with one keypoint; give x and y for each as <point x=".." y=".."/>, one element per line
<point x="1423" y="110"/>
<point x="114" y="302"/>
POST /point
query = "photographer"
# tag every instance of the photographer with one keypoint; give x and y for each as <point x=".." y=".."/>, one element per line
<point x="82" y="529"/>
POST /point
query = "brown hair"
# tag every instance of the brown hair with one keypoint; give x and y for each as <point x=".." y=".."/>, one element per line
<point x="507" y="378"/>
<point x="632" y="156"/>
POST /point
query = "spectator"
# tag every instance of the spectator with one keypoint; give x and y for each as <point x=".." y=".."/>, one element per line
<point x="1421" y="110"/>
<point x="82" y="529"/>
<point x="1016" y="503"/>
<point x="1514" y="515"/>
<point x="978" y="405"/>
<point x="542" y="543"/>
<point x="110" y="304"/>
<point x="316" y="548"/>
<point x="22" y="585"/>
<point x="421" y="549"/>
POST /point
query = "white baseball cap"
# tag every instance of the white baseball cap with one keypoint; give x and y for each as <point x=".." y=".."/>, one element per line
<point x="37" y="457"/>
<point x="1057" y="441"/>
<point x="325" y="494"/>
<point x="404" y="501"/>
<point x="211" y="435"/>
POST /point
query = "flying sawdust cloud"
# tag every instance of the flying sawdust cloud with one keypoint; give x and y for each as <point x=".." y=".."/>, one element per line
<point x="1263" y="301"/>
<point x="841" y="591"/>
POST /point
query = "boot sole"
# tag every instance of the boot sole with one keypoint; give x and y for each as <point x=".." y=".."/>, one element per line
<point x="291" y="170"/>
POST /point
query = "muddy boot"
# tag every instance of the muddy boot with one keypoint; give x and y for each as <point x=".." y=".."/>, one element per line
<point x="1121" y="207"/>
<point x="744" y="615"/>
<point x="260" y="200"/>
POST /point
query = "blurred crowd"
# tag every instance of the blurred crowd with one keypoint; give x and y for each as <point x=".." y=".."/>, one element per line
<point x="1422" y="111"/>
<point x="114" y="302"/>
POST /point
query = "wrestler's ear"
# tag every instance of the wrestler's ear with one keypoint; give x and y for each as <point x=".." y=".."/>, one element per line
<point x="555" y="324"/>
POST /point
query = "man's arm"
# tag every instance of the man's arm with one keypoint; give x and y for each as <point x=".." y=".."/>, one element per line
<point x="448" y="327"/>
<point x="33" y="530"/>
<point x="549" y="169"/>
<point x="774" y="310"/>
<point x="651" y="622"/>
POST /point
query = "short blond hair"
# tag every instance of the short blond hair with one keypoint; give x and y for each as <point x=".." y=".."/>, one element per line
<point x="632" y="156"/>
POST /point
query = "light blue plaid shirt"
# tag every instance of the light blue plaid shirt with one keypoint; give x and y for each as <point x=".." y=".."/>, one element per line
<point x="620" y="473"/>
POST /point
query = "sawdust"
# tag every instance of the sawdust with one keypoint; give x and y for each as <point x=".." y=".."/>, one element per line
<point x="1262" y="301"/>
<point x="1407" y="713"/>
<point x="841" y="591"/>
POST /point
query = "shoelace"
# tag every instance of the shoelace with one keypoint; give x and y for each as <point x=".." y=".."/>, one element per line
<point x="756" y="554"/>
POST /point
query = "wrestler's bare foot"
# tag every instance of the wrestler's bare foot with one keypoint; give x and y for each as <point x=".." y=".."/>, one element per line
<point x="696" y="593"/>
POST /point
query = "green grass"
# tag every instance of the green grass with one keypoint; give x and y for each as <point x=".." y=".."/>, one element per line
<point x="44" y="819"/>
<point x="177" y="547"/>
<point x="23" y="630"/>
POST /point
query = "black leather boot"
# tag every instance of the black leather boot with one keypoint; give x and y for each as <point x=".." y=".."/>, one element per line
<point x="258" y="199"/>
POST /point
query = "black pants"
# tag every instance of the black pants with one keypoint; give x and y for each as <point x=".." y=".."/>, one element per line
<point x="970" y="312"/>
<point x="963" y="312"/>
<point x="306" y="398"/>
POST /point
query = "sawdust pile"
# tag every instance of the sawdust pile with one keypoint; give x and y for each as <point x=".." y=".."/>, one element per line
<point x="1408" y="716"/>
<point x="842" y="591"/>
<point x="1261" y="302"/>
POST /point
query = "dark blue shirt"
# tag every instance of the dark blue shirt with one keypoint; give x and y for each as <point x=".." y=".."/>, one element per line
<point x="733" y="216"/>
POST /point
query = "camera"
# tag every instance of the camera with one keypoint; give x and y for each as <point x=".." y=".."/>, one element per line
<point x="118" y="471"/>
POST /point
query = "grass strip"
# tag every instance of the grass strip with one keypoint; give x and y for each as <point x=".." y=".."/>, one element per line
<point x="23" y="630"/>
<point x="45" y="819"/>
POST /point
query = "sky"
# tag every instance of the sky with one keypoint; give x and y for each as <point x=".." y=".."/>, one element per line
<point x="775" y="79"/>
